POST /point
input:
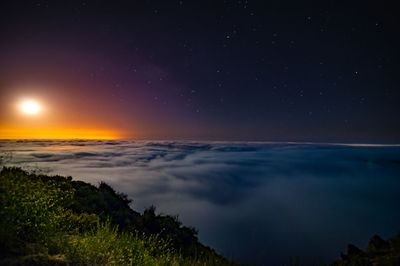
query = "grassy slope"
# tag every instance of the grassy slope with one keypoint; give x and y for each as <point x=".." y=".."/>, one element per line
<point x="54" y="220"/>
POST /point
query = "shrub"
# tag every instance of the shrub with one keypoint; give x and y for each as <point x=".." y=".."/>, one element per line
<point x="31" y="210"/>
<point x="105" y="245"/>
<point x="50" y="220"/>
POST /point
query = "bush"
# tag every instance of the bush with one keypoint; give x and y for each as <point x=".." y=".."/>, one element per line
<point x="31" y="210"/>
<point x="104" y="245"/>
<point x="53" y="220"/>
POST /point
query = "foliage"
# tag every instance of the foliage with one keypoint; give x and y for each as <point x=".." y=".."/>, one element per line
<point x="378" y="252"/>
<point x="31" y="210"/>
<point x="104" y="245"/>
<point x="52" y="220"/>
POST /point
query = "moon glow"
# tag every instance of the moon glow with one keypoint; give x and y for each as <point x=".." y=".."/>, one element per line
<point x="30" y="107"/>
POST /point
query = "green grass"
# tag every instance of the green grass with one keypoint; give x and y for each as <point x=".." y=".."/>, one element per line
<point x="53" y="221"/>
<point x="105" y="245"/>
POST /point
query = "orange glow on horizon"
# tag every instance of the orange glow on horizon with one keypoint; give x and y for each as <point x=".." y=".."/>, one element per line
<point x="56" y="133"/>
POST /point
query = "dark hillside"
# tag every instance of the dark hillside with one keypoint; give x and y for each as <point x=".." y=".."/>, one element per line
<point x="54" y="220"/>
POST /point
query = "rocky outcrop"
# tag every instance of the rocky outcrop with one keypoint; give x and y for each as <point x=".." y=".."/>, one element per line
<point x="376" y="243"/>
<point x="378" y="252"/>
<point x="351" y="251"/>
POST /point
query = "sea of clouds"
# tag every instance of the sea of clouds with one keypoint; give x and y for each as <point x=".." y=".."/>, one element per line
<point x="252" y="201"/>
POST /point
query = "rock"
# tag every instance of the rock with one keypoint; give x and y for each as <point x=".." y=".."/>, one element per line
<point x="353" y="250"/>
<point x="376" y="243"/>
<point x="378" y="253"/>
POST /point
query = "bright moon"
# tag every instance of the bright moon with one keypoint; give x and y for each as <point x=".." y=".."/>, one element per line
<point x="30" y="107"/>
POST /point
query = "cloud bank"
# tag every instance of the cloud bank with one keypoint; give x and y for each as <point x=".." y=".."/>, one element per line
<point x="253" y="201"/>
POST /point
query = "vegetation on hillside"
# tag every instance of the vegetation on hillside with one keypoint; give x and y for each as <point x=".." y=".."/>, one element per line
<point x="55" y="220"/>
<point x="378" y="252"/>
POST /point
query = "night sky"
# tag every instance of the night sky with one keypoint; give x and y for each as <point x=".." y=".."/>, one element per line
<point x="205" y="70"/>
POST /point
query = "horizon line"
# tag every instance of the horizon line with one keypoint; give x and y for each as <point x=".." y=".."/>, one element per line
<point x="355" y="144"/>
